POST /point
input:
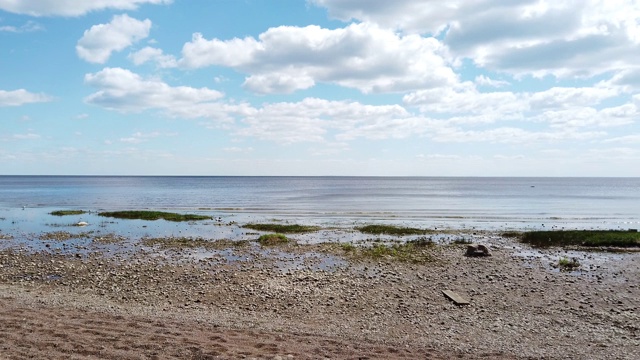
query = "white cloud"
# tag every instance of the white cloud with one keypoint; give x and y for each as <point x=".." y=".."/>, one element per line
<point x="410" y="15"/>
<point x="566" y="97"/>
<point x="139" y="137"/>
<point x="466" y="99"/>
<point x="312" y="119"/>
<point x="507" y="135"/>
<point x="123" y="90"/>
<point x="238" y="150"/>
<point x="627" y="78"/>
<point x="627" y="139"/>
<point x="97" y="43"/>
<point x="361" y="56"/>
<point x="587" y="116"/>
<point x="21" y="97"/>
<point x="71" y="7"/>
<point x="559" y="106"/>
<point x="29" y="26"/>
<point x="562" y="38"/>
<point x="486" y="81"/>
<point x="201" y="52"/>
<point x="153" y="54"/>
<point x="278" y="83"/>
<point x="613" y="154"/>
<point x="28" y="136"/>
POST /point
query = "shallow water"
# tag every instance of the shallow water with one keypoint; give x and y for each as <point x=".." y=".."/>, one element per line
<point x="426" y="201"/>
<point x="338" y="204"/>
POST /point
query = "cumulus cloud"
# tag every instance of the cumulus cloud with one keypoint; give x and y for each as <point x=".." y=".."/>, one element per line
<point x="627" y="78"/>
<point x="564" y="38"/>
<point x="21" y="97"/>
<point x="315" y="120"/>
<point x="312" y="119"/>
<point x="97" y="43"/>
<point x="566" y="97"/>
<point x="586" y="116"/>
<point x="561" y="106"/>
<point x="122" y="90"/>
<point x="71" y="7"/>
<point x="409" y="15"/>
<point x="150" y="54"/>
<point x="361" y="56"/>
<point x="466" y="99"/>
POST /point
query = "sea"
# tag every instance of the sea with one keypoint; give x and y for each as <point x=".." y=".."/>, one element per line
<point x="483" y="203"/>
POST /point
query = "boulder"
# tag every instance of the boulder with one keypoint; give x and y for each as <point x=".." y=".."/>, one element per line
<point x="477" y="250"/>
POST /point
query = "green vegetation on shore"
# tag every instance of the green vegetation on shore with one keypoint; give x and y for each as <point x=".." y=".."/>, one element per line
<point x="282" y="228"/>
<point x="568" y="265"/>
<point x="273" y="239"/>
<point x="390" y="230"/>
<point x="63" y="235"/>
<point x="153" y="215"/>
<point x="511" y="234"/>
<point x="67" y="212"/>
<point x="591" y="238"/>
<point x="417" y="251"/>
<point x="191" y="243"/>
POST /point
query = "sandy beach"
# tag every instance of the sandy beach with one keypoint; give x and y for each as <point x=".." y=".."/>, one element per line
<point x="316" y="302"/>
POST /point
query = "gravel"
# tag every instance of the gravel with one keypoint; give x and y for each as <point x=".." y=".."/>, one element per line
<point x="521" y="306"/>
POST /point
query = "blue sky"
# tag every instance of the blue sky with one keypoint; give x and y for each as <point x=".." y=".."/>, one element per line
<point x="320" y="87"/>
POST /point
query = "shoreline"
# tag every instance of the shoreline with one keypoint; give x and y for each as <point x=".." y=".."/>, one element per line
<point x="310" y="301"/>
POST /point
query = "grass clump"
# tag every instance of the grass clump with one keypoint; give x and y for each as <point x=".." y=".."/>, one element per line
<point x="192" y="243"/>
<point x="283" y="228"/>
<point x="511" y="234"/>
<point x="591" y="238"/>
<point x="63" y="236"/>
<point x="568" y="265"/>
<point x="420" y="251"/>
<point x="67" y="212"/>
<point x="390" y="230"/>
<point x="348" y="247"/>
<point x="153" y="215"/>
<point x="415" y="252"/>
<point x="273" y="239"/>
<point x="176" y="242"/>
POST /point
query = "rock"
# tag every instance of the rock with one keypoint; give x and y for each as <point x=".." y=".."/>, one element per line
<point x="477" y="250"/>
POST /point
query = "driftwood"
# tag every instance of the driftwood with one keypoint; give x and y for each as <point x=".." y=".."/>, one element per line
<point x="457" y="299"/>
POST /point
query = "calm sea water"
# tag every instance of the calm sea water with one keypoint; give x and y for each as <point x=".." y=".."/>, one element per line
<point x="424" y="201"/>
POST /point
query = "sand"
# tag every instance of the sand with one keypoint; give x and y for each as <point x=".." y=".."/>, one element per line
<point x="316" y="302"/>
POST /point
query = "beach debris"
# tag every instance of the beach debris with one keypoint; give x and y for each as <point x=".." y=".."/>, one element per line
<point x="477" y="250"/>
<point x="457" y="299"/>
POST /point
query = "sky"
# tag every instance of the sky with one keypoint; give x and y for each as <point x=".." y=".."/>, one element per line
<point x="320" y="87"/>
